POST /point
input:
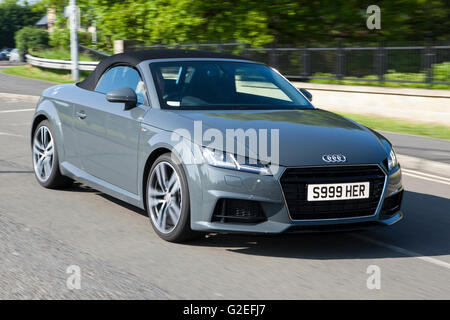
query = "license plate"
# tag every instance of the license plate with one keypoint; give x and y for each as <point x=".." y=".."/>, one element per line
<point x="338" y="191"/>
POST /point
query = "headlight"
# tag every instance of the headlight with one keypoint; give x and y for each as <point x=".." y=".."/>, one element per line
<point x="226" y="160"/>
<point x="392" y="160"/>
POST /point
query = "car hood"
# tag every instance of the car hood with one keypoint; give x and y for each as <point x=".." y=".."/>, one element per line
<point x="304" y="135"/>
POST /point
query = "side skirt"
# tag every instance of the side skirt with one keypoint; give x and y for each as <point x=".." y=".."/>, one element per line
<point x="77" y="174"/>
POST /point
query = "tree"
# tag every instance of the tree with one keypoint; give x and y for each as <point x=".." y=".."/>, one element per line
<point x="13" y="17"/>
<point x="29" y="38"/>
<point x="261" y="22"/>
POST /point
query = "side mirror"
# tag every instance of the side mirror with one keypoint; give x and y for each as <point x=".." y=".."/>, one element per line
<point x="123" y="95"/>
<point x="307" y="94"/>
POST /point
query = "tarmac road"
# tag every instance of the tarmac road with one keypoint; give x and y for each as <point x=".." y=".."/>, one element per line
<point x="43" y="232"/>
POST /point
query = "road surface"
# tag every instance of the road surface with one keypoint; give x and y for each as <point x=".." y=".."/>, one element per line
<point x="44" y="232"/>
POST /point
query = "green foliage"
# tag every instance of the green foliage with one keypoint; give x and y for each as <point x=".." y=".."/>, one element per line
<point x="13" y="17"/>
<point x="441" y="72"/>
<point x="60" y="38"/>
<point x="31" y="38"/>
<point x="85" y="38"/>
<point x="261" y="22"/>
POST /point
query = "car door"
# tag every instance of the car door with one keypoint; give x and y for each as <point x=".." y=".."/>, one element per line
<point x="107" y="134"/>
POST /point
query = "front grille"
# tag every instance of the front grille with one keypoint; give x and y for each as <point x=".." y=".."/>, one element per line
<point x="294" y="182"/>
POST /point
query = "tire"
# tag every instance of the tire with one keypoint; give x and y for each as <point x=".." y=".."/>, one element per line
<point x="45" y="158"/>
<point x="160" y="203"/>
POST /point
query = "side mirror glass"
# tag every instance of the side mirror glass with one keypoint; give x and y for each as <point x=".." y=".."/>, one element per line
<point x="307" y="94"/>
<point x="123" y="95"/>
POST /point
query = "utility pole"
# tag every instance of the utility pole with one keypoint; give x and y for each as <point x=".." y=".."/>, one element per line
<point x="73" y="19"/>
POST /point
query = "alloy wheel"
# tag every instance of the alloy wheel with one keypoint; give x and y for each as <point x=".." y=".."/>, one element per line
<point x="43" y="153"/>
<point x="164" y="197"/>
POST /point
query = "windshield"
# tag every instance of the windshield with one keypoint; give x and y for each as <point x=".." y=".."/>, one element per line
<point x="223" y="85"/>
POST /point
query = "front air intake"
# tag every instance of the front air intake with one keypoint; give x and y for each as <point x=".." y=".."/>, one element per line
<point x="391" y="205"/>
<point x="238" y="211"/>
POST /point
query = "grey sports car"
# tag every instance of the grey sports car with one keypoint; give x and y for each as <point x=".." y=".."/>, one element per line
<point x="213" y="142"/>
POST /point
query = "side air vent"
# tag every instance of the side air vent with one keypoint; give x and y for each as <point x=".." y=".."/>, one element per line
<point x="391" y="205"/>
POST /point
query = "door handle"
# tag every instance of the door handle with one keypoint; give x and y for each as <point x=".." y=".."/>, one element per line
<point x="81" y="115"/>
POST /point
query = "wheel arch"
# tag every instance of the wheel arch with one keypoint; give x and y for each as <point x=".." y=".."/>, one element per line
<point x="38" y="119"/>
<point x="191" y="172"/>
<point x="155" y="154"/>
<point x="155" y="142"/>
<point x="47" y="110"/>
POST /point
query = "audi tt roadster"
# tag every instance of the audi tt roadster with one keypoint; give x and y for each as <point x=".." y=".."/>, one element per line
<point x="210" y="142"/>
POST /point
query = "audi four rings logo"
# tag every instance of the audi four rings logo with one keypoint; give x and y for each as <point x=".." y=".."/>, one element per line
<point x="334" y="158"/>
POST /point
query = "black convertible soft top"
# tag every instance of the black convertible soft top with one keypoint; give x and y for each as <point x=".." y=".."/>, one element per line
<point x="134" y="58"/>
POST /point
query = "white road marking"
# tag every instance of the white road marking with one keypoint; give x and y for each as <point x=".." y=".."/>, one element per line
<point x="13" y="97"/>
<point x="428" y="179"/>
<point x="404" y="251"/>
<point x="16" y="110"/>
<point x="19" y="124"/>
<point x="10" y="134"/>
<point x="426" y="176"/>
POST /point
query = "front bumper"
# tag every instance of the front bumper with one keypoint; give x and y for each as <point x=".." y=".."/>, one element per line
<point x="216" y="184"/>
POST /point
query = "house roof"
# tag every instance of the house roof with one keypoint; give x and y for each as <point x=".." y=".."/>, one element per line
<point x="43" y="21"/>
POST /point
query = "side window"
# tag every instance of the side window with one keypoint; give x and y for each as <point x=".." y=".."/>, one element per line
<point x="122" y="77"/>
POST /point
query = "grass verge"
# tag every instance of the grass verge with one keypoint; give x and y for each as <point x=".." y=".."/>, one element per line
<point x="59" y="54"/>
<point x="383" y="84"/>
<point x="401" y="126"/>
<point x="441" y="73"/>
<point x="28" y="71"/>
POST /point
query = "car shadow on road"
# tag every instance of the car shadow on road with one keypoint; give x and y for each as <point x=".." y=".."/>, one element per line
<point x="125" y="205"/>
<point x="79" y="187"/>
<point x="424" y="230"/>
